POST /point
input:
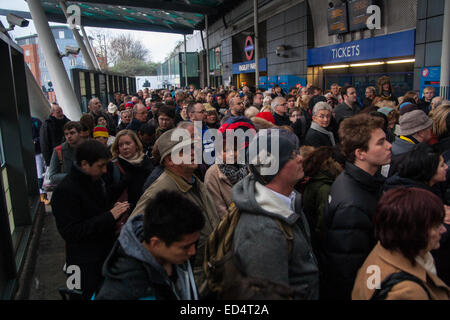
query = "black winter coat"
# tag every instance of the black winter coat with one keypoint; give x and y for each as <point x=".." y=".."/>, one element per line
<point x="83" y="218"/>
<point x="281" y="121"/>
<point x="51" y="135"/>
<point x="348" y="229"/>
<point x="317" y="139"/>
<point x="136" y="176"/>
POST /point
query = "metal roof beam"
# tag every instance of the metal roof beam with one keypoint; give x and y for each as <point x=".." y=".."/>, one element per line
<point x="97" y="23"/>
<point x="157" y="4"/>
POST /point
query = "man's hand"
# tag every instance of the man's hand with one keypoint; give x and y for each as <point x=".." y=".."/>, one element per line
<point x="119" y="208"/>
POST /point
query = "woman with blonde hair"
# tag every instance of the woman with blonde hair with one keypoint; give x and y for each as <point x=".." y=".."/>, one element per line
<point x="131" y="164"/>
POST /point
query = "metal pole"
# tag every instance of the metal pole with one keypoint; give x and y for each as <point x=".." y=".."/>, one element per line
<point x="90" y="50"/>
<point x="85" y="53"/>
<point x="185" y="63"/>
<point x="445" y="65"/>
<point x="63" y="88"/>
<point x="207" y="51"/>
<point x="255" y="18"/>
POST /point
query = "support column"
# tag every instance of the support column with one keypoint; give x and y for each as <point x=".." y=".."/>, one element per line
<point x="208" y="81"/>
<point x="255" y="18"/>
<point x="63" y="88"/>
<point x="86" y="56"/>
<point x="90" y="50"/>
<point x="445" y="64"/>
<point x="185" y="64"/>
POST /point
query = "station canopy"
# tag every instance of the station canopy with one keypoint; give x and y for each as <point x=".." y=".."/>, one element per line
<point x="172" y="16"/>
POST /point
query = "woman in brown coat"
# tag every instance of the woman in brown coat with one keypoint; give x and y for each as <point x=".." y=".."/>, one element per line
<point x="408" y="224"/>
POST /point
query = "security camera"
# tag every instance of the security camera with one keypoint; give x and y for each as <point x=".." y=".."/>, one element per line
<point x="15" y="20"/>
<point x="280" y="51"/>
<point x="72" y="50"/>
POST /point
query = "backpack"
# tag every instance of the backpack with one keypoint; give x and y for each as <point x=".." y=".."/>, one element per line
<point x="223" y="273"/>
<point x="392" y="280"/>
<point x="47" y="185"/>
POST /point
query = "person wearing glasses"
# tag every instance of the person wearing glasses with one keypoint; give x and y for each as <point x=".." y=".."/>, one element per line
<point x="318" y="135"/>
<point x="281" y="115"/>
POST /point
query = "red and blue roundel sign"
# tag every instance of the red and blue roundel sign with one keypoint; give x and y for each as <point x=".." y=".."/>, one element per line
<point x="425" y="72"/>
<point x="249" y="48"/>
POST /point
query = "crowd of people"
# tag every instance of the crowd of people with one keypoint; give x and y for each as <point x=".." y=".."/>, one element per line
<point x="357" y="184"/>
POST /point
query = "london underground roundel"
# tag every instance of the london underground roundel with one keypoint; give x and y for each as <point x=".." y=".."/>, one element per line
<point x="249" y="48"/>
<point x="425" y="72"/>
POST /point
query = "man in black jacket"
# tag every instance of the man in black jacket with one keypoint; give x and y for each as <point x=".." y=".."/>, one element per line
<point x="150" y="260"/>
<point x="348" y="229"/>
<point x="349" y="107"/>
<point x="280" y="111"/>
<point x="84" y="215"/>
<point x="51" y="132"/>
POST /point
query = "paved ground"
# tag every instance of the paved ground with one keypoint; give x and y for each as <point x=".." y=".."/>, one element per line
<point x="48" y="275"/>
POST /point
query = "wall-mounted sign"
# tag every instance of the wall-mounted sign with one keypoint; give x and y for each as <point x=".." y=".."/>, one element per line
<point x="399" y="44"/>
<point x="249" y="66"/>
<point x="249" y="48"/>
<point x="357" y="14"/>
<point x="337" y="19"/>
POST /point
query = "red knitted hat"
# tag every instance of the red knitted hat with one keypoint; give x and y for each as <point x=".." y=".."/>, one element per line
<point x="266" y="116"/>
<point x="100" y="131"/>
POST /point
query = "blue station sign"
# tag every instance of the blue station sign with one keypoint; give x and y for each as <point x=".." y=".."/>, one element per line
<point x="249" y="66"/>
<point x="399" y="44"/>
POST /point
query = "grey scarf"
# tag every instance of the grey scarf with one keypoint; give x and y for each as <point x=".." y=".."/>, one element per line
<point x="234" y="172"/>
<point x="316" y="127"/>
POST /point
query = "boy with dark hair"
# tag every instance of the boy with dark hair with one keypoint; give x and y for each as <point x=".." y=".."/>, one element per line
<point x="84" y="216"/>
<point x="150" y="260"/>
<point x="348" y="235"/>
<point x="63" y="155"/>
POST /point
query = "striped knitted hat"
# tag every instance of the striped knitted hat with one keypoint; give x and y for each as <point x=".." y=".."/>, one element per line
<point x="100" y="131"/>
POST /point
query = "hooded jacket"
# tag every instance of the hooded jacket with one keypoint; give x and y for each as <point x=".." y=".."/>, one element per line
<point x="348" y="229"/>
<point x="132" y="273"/>
<point x="261" y="248"/>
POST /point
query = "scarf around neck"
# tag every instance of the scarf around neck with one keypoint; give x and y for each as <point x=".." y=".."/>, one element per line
<point x="136" y="160"/>
<point x="316" y="127"/>
<point x="234" y="172"/>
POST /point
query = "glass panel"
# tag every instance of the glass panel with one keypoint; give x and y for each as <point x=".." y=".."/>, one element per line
<point x="7" y="194"/>
<point x="2" y="156"/>
<point x="82" y="84"/>
<point x="92" y="84"/>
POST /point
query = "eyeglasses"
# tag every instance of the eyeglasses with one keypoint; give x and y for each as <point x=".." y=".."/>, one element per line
<point x="324" y="116"/>
<point x="203" y="111"/>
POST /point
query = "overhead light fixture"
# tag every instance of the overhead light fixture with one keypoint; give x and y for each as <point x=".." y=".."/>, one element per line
<point x="401" y="61"/>
<point x="341" y="66"/>
<point x="367" y="64"/>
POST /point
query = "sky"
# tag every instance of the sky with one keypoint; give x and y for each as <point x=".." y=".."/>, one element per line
<point x="159" y="44"/>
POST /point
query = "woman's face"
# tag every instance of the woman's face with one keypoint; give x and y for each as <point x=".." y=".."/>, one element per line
<point x="386" y="87"/>
<point x="434" y="237"/>
<point x="295" y="116"/>
<point x="127" y="147"/>
<point x="323" y="118"/>
<point x="101" y="121"/>
<point x="211" y="118"/>
<point x="441" y="172"/>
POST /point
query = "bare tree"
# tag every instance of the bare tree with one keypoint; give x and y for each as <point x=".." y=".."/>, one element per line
<point x="124" y="47"/>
